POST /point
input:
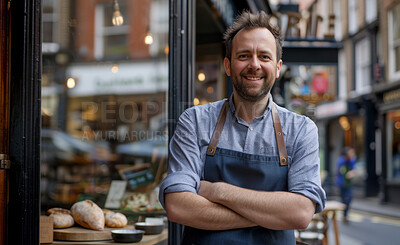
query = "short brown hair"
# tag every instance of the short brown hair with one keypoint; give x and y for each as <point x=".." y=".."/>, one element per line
<point x="249" y="21"/>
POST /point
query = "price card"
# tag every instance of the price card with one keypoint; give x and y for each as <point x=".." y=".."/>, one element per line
<point x="115" y="194"/>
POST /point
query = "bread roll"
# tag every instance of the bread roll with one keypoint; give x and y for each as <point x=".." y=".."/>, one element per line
<point x="115" y="220"/>
<point x="58" y="210"/>
<point x="62" y="218"/>
<point x="88" y="214"/>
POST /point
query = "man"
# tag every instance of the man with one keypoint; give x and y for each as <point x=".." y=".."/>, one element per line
<point x="243" y="170"/>
<point x="345" y="173"/>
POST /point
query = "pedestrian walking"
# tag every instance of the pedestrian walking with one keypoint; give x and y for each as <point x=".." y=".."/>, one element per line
<point x="345" y="173"/>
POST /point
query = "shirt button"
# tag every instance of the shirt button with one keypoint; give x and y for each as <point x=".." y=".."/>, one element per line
<point x="251" y="129"/>
<point x="264" y="116"/>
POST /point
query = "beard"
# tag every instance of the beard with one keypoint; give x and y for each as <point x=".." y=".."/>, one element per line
<point x="245" y="91"/>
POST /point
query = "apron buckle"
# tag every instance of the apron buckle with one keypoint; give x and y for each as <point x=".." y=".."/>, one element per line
<point x="283" y="161"/>
<point x="211" y="151"/>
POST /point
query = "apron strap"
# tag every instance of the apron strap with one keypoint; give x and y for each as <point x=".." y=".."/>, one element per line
<point x="283" y="158"/>
<point x="218" y="130"/>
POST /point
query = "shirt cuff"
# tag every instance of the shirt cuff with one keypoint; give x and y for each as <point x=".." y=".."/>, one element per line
<point x="317" y="195"/>
<point x="178" y="182"/>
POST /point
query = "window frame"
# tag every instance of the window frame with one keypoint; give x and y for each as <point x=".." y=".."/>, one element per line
<point x="392" y="45"/>
<point x="362" y="65"/>
<point x="102" y="31"/>
<point x="371" y="10"/>
<point x="53" y="46"/>
<point x="352" y="15"/>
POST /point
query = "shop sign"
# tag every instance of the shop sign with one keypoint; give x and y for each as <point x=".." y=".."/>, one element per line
<point x="294" y="25"/>
<point x="320" y="82"/>
<point x="131" y="78"/>
<point x="391" y="96"/>
<point x="333" y="109"/>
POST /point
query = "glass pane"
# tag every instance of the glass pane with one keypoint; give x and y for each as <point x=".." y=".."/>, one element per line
<point x="104" y="110"/>
<point x="48" y="6"/>
<point x="393" y="151"/>
<point x="47" y="32"/>
<point x="115" y="46"/>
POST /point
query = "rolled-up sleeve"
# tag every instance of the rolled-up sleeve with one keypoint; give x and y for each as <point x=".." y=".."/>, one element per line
<point x="184" y="161"/>
<point x="304" y="172"/>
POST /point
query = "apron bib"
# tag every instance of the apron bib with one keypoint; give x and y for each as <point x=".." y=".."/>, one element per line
<point x="256" y="172"/>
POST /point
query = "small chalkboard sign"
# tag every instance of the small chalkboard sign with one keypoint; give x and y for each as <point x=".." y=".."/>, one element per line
<point x="115" y="194"/>
<point x="137" y="176"/>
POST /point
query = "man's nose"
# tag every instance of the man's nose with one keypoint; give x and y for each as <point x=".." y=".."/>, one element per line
<point x="254" y="63"/>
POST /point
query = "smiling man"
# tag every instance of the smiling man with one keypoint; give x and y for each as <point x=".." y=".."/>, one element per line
<point x="244" y="170"/>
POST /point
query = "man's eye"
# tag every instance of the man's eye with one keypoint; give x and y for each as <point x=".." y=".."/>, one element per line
<point x="242" y="56"/>
<point x="265" y="57"/>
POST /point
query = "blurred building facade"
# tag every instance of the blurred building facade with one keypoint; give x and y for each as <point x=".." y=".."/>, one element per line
<point x="364" y="114"/>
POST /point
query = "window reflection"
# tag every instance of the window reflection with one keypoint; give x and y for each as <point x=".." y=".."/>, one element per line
<point x="114" y="115"/>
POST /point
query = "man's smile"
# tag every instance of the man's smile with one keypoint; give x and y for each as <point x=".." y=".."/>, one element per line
<point x="253" y="78"/>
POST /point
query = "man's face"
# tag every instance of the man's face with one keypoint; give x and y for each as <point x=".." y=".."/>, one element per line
<point x="253" y="66"/>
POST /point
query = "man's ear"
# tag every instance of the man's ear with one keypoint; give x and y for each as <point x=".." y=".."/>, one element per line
<point x="278" y="68"/>
<point x="227" y="65"/>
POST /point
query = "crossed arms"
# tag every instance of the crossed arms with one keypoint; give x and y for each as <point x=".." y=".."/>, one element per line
<point x="221" y="206"/>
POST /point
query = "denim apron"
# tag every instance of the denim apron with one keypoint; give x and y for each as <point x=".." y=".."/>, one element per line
<point x="256" y="172"/>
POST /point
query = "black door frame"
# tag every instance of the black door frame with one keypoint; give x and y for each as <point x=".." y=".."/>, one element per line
<point x="25" y="117"/>
<point x="181" y="69"/>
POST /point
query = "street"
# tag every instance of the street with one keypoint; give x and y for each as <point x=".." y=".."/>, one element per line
<point x="367" y="229"/>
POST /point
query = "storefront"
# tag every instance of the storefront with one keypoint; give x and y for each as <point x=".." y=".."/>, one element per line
<point x="341" y="124"/>
<point x="114" y="84"/>
<point x="388" y="164"/>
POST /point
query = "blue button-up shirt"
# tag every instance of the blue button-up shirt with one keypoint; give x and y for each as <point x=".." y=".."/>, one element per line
<point x="194" y="130"/>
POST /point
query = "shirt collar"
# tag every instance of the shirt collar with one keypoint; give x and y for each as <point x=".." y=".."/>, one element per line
<point x="264" y="115"/>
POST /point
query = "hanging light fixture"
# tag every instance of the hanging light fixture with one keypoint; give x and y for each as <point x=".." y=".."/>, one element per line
<point x="148" y="39"/>
<point x="117" y="18"/>
<point x="114" y="68"/>
<point x="71" y="82"/>
<point x="201" y="75"/>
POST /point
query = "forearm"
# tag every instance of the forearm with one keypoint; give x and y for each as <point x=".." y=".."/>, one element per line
<point x="276" y="210"/>
<point x="196" y="211"/>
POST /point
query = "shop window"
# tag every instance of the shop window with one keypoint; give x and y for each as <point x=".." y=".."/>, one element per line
<point x="104" y="102"/>
<point x="363" y="66"/>
<point x="394" y="43"/>
<point x="393" y="145"/>
<point x="208" y="83"/>
<point x="309" y="86"/>
<point x="159" y="28"/>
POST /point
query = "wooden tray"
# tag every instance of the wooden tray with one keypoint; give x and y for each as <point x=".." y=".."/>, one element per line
<point x="76" y="233"/>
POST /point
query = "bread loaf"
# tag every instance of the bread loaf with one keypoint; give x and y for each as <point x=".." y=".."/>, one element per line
<point x="114" y="220"/>
<point x="62" y="218"/>
<point x="88" y="214"/>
